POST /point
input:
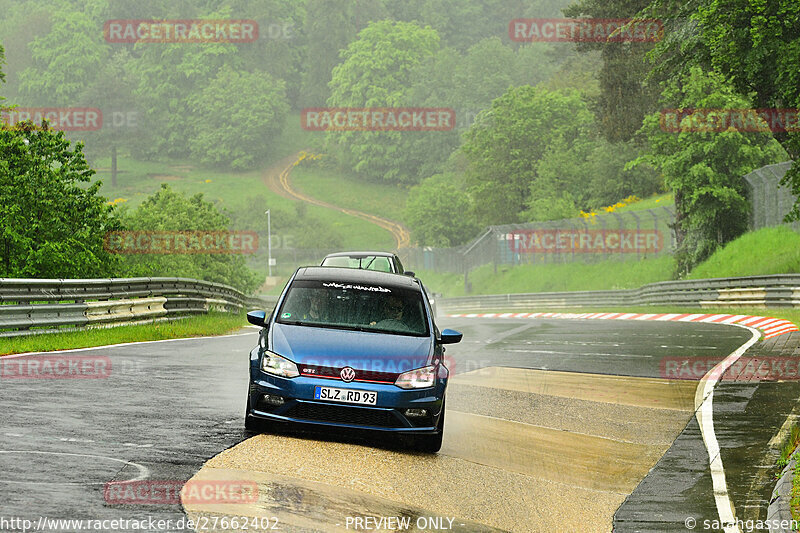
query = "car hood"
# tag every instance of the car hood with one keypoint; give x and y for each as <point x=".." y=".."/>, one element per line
<point x="335" y="348"/>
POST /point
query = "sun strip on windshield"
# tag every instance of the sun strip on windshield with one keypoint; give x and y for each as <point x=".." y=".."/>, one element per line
<point x="357" y="287"/>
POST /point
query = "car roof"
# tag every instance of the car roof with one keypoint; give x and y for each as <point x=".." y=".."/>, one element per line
<point x="359" y="254"/>
<point x="355" y="275"/>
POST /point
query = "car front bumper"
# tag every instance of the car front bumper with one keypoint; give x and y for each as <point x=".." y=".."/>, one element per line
<point x="388" y="415"/>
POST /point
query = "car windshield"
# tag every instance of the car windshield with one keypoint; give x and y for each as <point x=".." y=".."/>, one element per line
<point x="353" y="305"/>
<point x="365" y="262"/>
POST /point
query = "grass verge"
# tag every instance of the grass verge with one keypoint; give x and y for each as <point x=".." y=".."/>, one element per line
<point x="214" y="323"/>
<point x="231" y="190"/>
<point x="794" y="503"/>
<point x="788" y="448"/>
<point x="766" y="251"/>
<point x="554" y="277"/>
<point x="381" y="199"/>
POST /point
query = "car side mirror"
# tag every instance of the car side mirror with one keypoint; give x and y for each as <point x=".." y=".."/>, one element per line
<point x="450" y="336"/>
<point x="257" y="318"/>
<point x="410" y="273"/>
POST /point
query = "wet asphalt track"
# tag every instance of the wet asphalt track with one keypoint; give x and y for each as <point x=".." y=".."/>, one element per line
<point x="168" y="407"/>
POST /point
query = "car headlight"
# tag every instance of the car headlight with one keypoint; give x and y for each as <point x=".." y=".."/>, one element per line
<point x="417" y="379"/>
<point x="274" y="364"/>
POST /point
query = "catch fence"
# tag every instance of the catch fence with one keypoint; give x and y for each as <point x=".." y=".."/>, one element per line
<point x="630" y="235"/>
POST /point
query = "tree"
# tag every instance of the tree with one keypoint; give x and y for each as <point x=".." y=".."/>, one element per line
<point x="65" y="60"/>
<point x="2" y="62"/>
<point x="507" y="142"/>
<point x="111" y="91"/>
<point x="237" y="115"/>
<point x="374" y="73"/>
<point x="52" y="220"/>
<point x="466" y="83"/>
<point x="757" y="45"/>
<point x="625" y="96"/>
<point x="705" y="169"/>
<point x="587" y="175"/>
<point x="437" y="211"/>
<point x="327" y="36"/>
<point x="168" y="210"/>
<point x="281" y="48"/>
<point x="167" y="73"/>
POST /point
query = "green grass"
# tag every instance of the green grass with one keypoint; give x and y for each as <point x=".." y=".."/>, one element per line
<point x="604" y="275"/>
<point x="766" y="251"/>
<point x="786" y="452"/>
<point x="788" y="448"/>
<point x="229" y="190"/>
<point x="214" y="323"/>
<point x="794" y="502"/>
<point x="655" y="201"/>
<point x="138" y="179"/>
<point x="384" y="200"/>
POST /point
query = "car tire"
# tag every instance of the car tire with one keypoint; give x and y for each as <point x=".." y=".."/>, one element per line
<point x="431" y="443"/>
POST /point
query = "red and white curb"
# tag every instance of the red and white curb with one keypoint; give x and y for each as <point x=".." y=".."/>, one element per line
<point x="769" y="327"/>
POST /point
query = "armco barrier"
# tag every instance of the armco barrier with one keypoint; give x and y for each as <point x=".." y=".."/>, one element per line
<point x="30" y="306"/>
<point x="781" y="290"/>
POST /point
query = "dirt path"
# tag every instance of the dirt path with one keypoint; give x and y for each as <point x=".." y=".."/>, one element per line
<point x="277" y="179"/>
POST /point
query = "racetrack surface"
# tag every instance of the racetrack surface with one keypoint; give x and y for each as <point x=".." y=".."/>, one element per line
<point x="551" y="425"/>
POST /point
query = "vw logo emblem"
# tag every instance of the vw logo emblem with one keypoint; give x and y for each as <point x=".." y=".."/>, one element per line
<point x="347" y="374"/>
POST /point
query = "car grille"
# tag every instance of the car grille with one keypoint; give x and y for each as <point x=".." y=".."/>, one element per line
<point x="345" y="415"/>
<point x="361" y="375"/>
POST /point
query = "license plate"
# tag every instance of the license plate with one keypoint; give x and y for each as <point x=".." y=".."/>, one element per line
<point x="345" y="395"/>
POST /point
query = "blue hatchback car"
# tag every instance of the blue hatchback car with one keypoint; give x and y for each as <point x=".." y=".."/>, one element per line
<point x="351" y="349"/>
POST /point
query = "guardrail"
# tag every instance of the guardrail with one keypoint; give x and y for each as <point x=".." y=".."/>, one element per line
<point x="781" y="290"/>
<point x="29" y="306"/>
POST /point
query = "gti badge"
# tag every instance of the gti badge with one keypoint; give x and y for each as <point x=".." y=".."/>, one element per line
<point x="347" y="374"/>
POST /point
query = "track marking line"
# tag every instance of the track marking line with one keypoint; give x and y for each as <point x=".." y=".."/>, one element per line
<point x="704" y="412"/>
<point x="143" y="474"/>
<point x="123" y="344"/>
